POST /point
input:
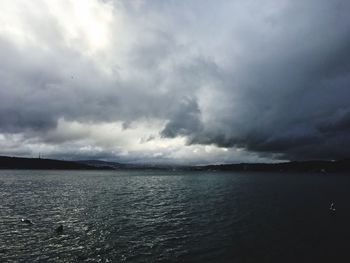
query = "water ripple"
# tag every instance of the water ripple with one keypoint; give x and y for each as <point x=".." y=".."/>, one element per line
<point x="155" y="216"/>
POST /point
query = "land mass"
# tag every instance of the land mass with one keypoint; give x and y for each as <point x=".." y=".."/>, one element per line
<point x="303" y="166"/>
<point x="43" y="164"/>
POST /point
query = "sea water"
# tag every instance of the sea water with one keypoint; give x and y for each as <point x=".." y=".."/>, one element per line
<point x="173" y="216"/>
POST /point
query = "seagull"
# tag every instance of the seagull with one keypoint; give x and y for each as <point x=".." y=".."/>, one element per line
<point x="59" y="230"/>
<point x="27" y="221"/>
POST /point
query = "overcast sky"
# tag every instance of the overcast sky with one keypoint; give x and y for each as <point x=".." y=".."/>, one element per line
<point x="170" y="81"/>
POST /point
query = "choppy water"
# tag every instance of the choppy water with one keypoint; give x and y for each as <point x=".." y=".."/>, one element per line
<point x="155" y="216"/>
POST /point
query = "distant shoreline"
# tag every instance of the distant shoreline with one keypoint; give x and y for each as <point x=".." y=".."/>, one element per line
<point x="300" y="166"/>
<point x="20" y="163"/>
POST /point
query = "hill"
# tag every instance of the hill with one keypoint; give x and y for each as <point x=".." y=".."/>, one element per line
<point x="43" y="164"/>
<point x="304" y="166"/>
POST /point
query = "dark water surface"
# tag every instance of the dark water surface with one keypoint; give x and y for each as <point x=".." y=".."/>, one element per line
<point x="153" y="216"/>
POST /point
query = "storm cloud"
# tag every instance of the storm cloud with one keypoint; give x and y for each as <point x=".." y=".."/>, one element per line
<point x="170" y="81"/>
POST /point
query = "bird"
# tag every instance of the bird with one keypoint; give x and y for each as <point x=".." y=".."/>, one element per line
<point x="27" y="221"/>
<point x="59" y="230"/>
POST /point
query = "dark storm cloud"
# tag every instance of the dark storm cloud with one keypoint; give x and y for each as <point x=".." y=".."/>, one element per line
<point x="291" y="90"/>
<point x="186" y="120"/>
<point x="268" y="77"/>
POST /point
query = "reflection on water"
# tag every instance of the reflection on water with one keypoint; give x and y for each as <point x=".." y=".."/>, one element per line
<point x="153" y="216"/>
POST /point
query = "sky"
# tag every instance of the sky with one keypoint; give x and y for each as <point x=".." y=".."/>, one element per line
<point x="181" y="82"/>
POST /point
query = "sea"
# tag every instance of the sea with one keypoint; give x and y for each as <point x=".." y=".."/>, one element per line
<point x="173" y="216"/>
